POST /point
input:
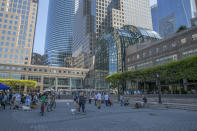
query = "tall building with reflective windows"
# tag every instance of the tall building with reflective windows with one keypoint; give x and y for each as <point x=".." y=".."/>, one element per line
<point x="94" y="17"/>
<point x="17" y="29"/>
<point x="59" y="31"/>
<point x="169" y="15"/>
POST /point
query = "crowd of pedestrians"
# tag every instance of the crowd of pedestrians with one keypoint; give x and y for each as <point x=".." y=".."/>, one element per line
<point x="17" y="100"/>
<point x="97" y="97"/>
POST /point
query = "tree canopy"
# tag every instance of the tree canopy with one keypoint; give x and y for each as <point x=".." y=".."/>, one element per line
<point x="170" y="72"/>
<point x="181" y="28"/>
<point x="19" y="83"/>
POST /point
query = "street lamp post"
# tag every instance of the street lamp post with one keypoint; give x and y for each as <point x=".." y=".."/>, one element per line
<point x="159" y="88"/>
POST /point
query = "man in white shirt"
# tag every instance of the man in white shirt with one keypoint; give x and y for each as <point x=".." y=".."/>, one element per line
<point x="99" y="100"/>
<point x="106" y="99"/>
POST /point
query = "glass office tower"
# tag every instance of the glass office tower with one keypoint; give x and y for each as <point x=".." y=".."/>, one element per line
<point x="17" y="27"/>
<point x="94" y="17"/>
<point x="169" y="15"/>
<point x="59" y="32"/>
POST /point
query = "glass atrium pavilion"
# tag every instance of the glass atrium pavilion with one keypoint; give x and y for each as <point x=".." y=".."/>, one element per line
<point x="111" y="47"/>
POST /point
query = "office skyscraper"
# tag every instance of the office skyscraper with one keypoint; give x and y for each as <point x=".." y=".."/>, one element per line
<point x="17" y="27"/>
<point x="94" y="17"/>
<point x="169" y="15"/>
<point x="59" y="31"/>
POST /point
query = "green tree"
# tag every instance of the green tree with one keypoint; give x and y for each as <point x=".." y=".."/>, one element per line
<point x="181" y="28"/>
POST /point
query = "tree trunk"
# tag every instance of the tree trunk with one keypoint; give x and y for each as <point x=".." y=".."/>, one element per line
<point x="118" y="98"/>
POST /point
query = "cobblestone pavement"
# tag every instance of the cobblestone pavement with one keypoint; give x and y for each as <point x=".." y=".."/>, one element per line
<point x="113" y="118"/>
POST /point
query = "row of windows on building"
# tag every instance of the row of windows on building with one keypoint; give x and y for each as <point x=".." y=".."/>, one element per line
<point x="14" y="27"/>
<point x="4" y="32"/>
<point x="46" y="80"/>
<point x="8" y="44"/>
<point x="157" y="50"/>
<point x="6" y="56"/>
<point x="24" y="2"/>
<point x="13" y="17"/>
<point x="8" y="38"/>
<point x="13" y="62"/>
<point x="27" y="52"/>
<point x="164" y="59"/>
<point x="14" y="68"/>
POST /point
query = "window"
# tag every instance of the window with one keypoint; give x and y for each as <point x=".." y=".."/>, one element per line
<point x="21" y="57"/>
<point x="19" y="68"/>
<point x="138" y="56"/>
<point x="157" y="50"/>
<point x="183" y="41"/>
<point x="173" y="44"/>
<point x="9" y="32"/>
<point x="22" y="51"/>
<point x="6" y="49"/>
<point x="13" y="38"/>
<point x="34" y="78"/>
<point x="150" y="52"/>
<point x="1" y="67"/>
<point x="7" y="68"/>
<point x="17" y="76"/>
<point x="3" y="75"/>
<point x="8" y="38"/>
<point x="11" y="56"/>
<point x="27" y="52"/>
<point x="164" y="48"/>
<point x="194" y="37"/>
<point x="2" y="37"/>
<point x="3" y="31"/>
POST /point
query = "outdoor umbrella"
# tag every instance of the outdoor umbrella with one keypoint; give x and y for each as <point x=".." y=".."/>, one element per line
<point x="4" y="87"/>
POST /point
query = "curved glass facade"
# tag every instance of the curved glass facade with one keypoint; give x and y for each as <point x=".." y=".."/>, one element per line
<point x="111" y="47"/>
<point x="59" y="31"/>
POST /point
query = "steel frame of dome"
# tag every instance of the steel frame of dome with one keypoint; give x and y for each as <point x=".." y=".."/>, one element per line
<point x="111" y="47"/>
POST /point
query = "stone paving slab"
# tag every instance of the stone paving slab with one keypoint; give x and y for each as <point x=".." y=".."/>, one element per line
<point x="113" y="118"/>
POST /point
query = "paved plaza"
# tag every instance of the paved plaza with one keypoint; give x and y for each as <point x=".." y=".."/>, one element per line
<point x="113" y="118"/>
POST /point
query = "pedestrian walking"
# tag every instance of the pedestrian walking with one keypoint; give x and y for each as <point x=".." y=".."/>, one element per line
<point x="28" y="100"/>
<point x="121" y="100"/>
<point x="4" y="100"/>
<point x="95" y="99"/>
<point x="99" y="100"/>
<point x="106" y="99"/>
<point x="1" y="99"/>
<point x="82" y="101"/>
<point x="89" y="98"/>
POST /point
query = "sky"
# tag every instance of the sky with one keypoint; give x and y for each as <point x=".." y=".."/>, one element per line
<point x="41" y="26"/>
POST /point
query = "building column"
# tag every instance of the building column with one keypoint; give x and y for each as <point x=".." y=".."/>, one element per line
<point x="42" y="84"/>
<point x="70" y="85"/>
<point x="25" y="88"/>
<point x="56" y="84"/>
